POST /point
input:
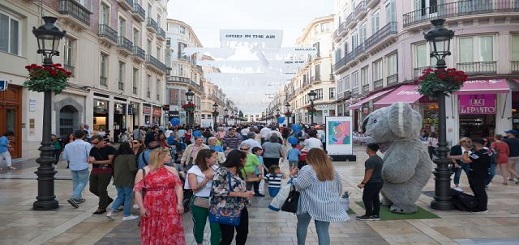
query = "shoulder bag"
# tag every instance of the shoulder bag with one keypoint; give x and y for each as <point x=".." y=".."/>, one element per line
<point x="290" y="204"/>
<point x="224" y="215"/>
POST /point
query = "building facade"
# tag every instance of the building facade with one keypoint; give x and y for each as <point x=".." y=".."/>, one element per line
<point x="115" y="50"/>
<point x="380" y="51"/>
<point x="316" y="75"/>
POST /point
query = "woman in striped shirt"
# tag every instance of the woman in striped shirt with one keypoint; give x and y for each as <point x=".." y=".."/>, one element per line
<point x="320" y="187"/>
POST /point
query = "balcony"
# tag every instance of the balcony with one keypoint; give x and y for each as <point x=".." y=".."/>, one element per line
<point x="514" y="67"/>
<point x="371" y="3"/>
<point x="417" y="72"/>
<point x="381" y="36"/>
<point x="355" y="91"/>
<point x="361" y="10"/>
<point x="365" y="88"/>
<point x="459" y="8"/>
<point x="177" y="79"/>
<point x="138" y="12"/>
<point x="478" y="68"/>
<point x="124" y="45"/>
<point x="126" y="4"/>
<point x="350" y="21"/>
<point x="152" y="25"/>
<point x="161" y="34"/>
<point x="106" y="33"/>
<point x="138" y="53"/>
<point x="154" y="62"/>
<point x="378" y="84"/>
<point x="392" y="79"/>
<point x="75" y="13"/>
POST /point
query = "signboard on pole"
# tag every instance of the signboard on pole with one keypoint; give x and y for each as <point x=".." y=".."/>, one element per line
<point x="339" y="140"/>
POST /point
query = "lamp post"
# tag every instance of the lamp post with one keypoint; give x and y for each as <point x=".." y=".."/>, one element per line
<point x="48" y="36"/>
<point x="225" y="116"/>
<point x="312" y="95"/>
<point x="287" y="113"/>
<point x="215" y="115"/>
<point x="439" y="39"/>
<point x="266" y="116"/>
<point x="189" y="96"/>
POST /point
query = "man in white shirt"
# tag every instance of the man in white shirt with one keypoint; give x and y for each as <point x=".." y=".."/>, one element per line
<point x="76" y="153"/>
<point x="251" y="141"/>
<point x="313" y="142"/>
<point x="244" y="132"/>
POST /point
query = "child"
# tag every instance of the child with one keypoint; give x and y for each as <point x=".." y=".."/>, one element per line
<point x="274" y="178"/>
<point x="293" y="156"/>
<point x="259" y="152"/>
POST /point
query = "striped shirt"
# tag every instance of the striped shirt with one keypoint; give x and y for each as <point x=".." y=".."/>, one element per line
<point x="320" y="199"/>
<point x="274" y="180"/>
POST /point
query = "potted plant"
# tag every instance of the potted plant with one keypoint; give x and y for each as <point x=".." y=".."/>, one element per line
<point x="288" y="114"/>
<point x="190" y="106"/>
<point x="45" y="78"/>
<point x="433" y="82"/>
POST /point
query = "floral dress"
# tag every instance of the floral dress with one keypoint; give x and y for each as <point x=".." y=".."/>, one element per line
<point x="164" y="223"/>
<point x="220" y="190"/>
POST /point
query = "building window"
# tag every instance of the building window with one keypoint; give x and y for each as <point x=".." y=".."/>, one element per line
<point x="103" y="80"/>
<point x="427" y="6"/>
<point x="316" y="29"/>
<point x="325" y="27"/>
<point x="317" y="46"/>
<point x="10" y="37"/>
<point x="354" y="40"/>
<point x="136" y="37"/>
<point x="515" y="48"/>
<point x="182" y="29"/>
<point x="347" y="83"/>
<point x="122" y="27"/>
<point x="319" y="93"/>
<point x="476" y="49"/>
<point x="364" y="75"/>
<point x="390" y="11"/>
<point x="355" y="79"/>
<point x="148" y="84"/>
<point x="104" y="16"/>
<point x="362" y="33"/>
<point x="157" y="89"/>
<point x="392" y="68"/>
<point x="120" y="82"/>
<point x="69" y="52"/>
<point x="181" y="47"/>
<point x="375" y="22"/>
<point x="135" y="80"/>
<point x="331" y="93"/>
<point x="148" y="47"/>
<point x="377" y="70"/>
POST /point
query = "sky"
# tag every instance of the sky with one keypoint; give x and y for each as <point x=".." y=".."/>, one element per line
<point x="208" y="17"/>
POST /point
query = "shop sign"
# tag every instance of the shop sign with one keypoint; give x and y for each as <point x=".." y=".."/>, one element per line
<point x="157" y="111"/>
<point x="146" y="110"/>
<point x="477" y="104"/>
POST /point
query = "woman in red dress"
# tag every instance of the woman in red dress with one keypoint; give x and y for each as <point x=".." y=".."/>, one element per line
<point x="161" y="207"/>
<point x="503" y="151"/>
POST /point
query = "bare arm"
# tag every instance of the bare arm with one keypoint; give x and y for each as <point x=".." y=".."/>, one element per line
<point x="465" y="158"/>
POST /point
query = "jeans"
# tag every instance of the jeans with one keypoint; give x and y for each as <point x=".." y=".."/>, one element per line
<point x="477" y="185"/>
<point x="124" y="196"/>
<point x="457" y="172"/>
<point x="7" y="156"/>
<point x="79" y="181"/>
<point x="242" y="230"/>
<point x="491" y="173"/>
<point x="200" y="215"/>
<point x="321" y="227"/>
<point x="371" y="199"/>
<point x="98" y="185"/>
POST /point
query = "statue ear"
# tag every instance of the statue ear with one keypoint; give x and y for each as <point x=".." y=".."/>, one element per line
<point x="401" y="119"/>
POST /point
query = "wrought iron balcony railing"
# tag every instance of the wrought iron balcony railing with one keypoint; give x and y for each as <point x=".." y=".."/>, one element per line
<point x="514" y="67"/>
<point x="125" y="44"/>
<point x="156" y="63"/>
<point x="478" y="68"/>
<point x="138" y="52"/>
<point x="138" y="12"/>
<point x="107" y="32"/>
<point x="76" y="10"/>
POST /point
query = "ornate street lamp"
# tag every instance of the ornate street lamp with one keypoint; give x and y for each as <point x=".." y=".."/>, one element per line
<point x="312" y="95"/>
<point x="48" y="36"/>
<point x="190" y="114"/>
<point x="277" y="113"/>
<point x="215" y="115"/>
<point x="266" y="116"/>
<point x="439" y="39"/>
<point x="226" y="116"/>
<point x="288" y="113"/>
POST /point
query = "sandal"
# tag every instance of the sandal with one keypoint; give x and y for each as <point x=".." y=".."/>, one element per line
<point x="11" y="168"/>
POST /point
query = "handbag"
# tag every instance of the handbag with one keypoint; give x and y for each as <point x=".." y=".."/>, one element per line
<point x="201" y="202"/>
<point x="224" y="215"/>
<point x="290" y="205"/>
<point x="251" y="177"/>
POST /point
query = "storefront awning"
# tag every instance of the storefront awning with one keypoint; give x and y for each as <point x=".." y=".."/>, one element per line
<point x="367" y="99"/>
<point x="493" y="86"/>
<point x="406" y="93"/>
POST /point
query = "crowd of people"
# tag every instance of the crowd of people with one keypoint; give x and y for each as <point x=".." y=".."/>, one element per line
<point x="164" y="172"/>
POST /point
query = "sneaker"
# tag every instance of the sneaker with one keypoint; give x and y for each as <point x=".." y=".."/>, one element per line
<point x="135" y="206"/>
<point x="131" y="217"/>
<point x="259" y="195"/>
<point x="73" y="203"/>
<point x="458" y="189"/>
<point x="109" y="215"/>
<point x="363" y="217"/>
<point x="80" y="200"/>
<point x="480" y="212"/>
<point x="374" y="217"/>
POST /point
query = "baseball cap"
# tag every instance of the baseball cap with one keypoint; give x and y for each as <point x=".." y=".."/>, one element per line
<point x="512" y="131"/>
<point x="479" y="140"/>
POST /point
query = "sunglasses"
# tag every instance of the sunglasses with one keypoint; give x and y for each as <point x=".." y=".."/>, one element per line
<point x="136" y="142"/>
<point x="244" y="149"/>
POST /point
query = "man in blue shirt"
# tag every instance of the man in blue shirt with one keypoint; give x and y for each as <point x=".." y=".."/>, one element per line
<point x="76" y="154"/>
<point x="4" y="149"/>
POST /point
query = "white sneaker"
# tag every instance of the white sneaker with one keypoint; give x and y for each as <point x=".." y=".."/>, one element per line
<point x="135" y="206"/>
<point x="131" y="217"/>
<point x="109" y="215"/>
<point x="458" y="189"/>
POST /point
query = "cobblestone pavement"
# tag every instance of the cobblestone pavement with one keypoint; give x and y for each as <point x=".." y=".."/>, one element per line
<point x="19" y="224"/>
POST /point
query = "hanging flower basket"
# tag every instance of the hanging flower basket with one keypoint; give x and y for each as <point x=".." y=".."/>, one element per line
<point x="47" y="78"/>
<point x="311" y="110"/>
<point x="277" y="115"/>
<point x="189" y="107"/>
<point x="288" y="114"/>
<point x="434" y="82"/>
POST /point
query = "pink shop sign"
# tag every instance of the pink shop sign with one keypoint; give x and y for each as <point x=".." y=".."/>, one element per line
<point x="477" y="104"/>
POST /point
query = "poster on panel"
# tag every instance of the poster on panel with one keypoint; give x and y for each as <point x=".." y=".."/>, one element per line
<point x="339" y="135"/>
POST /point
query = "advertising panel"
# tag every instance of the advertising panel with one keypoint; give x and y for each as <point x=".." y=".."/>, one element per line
<point x="339" y="135"/>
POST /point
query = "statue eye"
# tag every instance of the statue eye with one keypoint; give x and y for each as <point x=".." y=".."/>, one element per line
<point x="374" y="120"/>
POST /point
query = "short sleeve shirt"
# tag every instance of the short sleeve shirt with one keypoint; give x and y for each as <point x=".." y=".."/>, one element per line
<point x="480" y="163"/>
<point x="375" y="162"/>
<point x="101" y="155"/>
